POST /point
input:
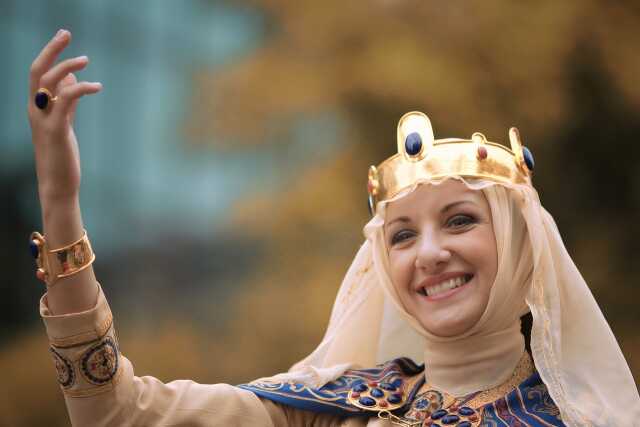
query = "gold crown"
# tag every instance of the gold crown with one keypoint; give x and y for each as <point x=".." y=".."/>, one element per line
<point x="420" y="157"/>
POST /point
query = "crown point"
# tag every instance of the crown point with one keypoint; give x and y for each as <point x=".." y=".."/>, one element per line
<point x="413" y="144"/>
<point x="528" y="158"/>
<point x="478" y="138"/>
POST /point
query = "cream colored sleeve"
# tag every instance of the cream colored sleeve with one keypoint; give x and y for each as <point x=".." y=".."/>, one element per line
<point x="100" y="387"/>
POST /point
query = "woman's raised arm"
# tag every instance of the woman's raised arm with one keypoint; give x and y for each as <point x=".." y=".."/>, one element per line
<point x="98" y="382"/>
<point x="58" y="165"/>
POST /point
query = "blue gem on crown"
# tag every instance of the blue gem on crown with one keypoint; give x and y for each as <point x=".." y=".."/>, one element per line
<point x="34" y="249"/>
<point x="413" y="143"/>
<point x="528" y="158"/>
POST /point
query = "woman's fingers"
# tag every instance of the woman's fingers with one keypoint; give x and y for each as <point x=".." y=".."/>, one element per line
<point x="71" y="93"/>
<point x="54" y="76"/>
<point x="68" y="80"/>
<point x="47" y="58"/>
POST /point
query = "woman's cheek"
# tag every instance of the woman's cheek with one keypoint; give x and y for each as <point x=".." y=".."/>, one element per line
<point x="398" y="265"/>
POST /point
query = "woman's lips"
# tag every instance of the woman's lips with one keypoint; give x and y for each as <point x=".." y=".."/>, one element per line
<point x="459" y="281"/>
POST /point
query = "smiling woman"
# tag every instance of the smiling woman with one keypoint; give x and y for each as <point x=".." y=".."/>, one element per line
<point x="458" y="249"/>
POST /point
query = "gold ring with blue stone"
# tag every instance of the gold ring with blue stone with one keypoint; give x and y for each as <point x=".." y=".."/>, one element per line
<point x="44" y="98"/>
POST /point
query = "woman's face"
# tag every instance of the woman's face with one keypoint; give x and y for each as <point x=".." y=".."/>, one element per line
<point x="442" y="255"/>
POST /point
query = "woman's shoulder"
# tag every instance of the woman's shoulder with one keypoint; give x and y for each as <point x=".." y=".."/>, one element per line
<point x="399" y="388"/>
<point x="356" y="391"/>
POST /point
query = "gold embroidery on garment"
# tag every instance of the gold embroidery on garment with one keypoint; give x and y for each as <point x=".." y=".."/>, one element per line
<point x="524" y="369"/>
<point x="326" y="396"/>
<point x="429" y="401"/>
<point x="546" y="406"/>
<point x="64" y="369"/>
<point x="534" y="415"/>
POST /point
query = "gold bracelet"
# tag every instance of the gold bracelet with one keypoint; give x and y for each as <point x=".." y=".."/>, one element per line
<point x="54" y="264"/>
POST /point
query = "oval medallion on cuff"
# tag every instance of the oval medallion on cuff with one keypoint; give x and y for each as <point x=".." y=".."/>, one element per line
<point x="99" y="364"/>
<point x="64" y="369"/>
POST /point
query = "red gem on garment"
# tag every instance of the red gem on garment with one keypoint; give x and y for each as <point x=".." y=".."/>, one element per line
<point x="428" y="423"/>
<point x="373" y="384"/>
<point x="473" y="418"/>
<point x="383" y="404"/>
<point x="482" y="153"/>
<point x="40" y="274"/>
<point x="355" y="395"/>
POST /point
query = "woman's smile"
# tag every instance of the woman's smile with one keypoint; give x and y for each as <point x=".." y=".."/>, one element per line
<point x="440" y="287"/>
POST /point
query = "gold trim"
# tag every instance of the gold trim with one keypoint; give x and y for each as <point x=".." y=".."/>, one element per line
<point x="523" y="370"/>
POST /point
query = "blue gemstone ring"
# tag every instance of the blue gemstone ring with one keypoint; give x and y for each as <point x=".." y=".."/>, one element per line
<point x="44" y="98"/>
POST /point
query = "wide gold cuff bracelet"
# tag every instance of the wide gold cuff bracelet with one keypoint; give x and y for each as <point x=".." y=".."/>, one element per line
<point x="54" y="264"/>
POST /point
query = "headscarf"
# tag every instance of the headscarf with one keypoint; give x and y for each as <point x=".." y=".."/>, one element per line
<point x="574" y="350"/>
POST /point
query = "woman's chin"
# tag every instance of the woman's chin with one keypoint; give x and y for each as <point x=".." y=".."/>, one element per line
<point x="447" y="329"/>
<point x="453" y="320"/>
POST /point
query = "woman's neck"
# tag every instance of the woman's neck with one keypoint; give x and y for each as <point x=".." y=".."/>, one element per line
<point x="473" y="363"/>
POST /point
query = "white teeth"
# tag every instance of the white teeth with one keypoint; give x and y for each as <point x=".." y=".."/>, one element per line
<point x="445" y="286"/>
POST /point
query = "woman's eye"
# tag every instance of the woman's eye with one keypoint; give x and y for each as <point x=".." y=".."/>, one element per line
<point x="460" y="221"/>
<point x="401" y="236"/>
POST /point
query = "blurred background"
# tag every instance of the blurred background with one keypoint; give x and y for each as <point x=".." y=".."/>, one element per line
<point x="224" y="164"/>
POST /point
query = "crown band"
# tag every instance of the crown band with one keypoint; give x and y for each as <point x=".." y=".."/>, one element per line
<point x="421" y="158"/>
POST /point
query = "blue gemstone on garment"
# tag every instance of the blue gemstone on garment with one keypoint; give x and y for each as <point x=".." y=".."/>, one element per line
<point x="439" y="414"/>
<point x="413" y="143"/>
<point x="394" y="398"/>
<point x="360" y="387"/>
<point x="376" y="392"/>
<point x="34" y="249"/>
<point x="528" y="158"/>
<point x="41" y="100"/>
<point x="367" y="401"/>
<point x="421" y="404"/>
<point x="450" y="419"/>
<point x="464" y="424"/>
<point x="466" y="411"/>
<point x="388" y="387"/>
<point x="397" y="382"/>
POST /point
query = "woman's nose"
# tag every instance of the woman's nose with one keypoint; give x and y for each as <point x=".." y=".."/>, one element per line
<point x="431" y="254"/>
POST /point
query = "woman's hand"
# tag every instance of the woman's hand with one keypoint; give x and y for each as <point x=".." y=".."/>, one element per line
<point x="58" y="166"/>
<point x="54" y="142"/>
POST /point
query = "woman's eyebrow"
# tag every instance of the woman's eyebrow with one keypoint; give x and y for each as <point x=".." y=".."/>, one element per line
<point x="399" y="219"/>
<point x="454" y="204"/>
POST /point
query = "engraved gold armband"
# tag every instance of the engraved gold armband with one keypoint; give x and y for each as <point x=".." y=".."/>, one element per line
<point x="54" y="264"/>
